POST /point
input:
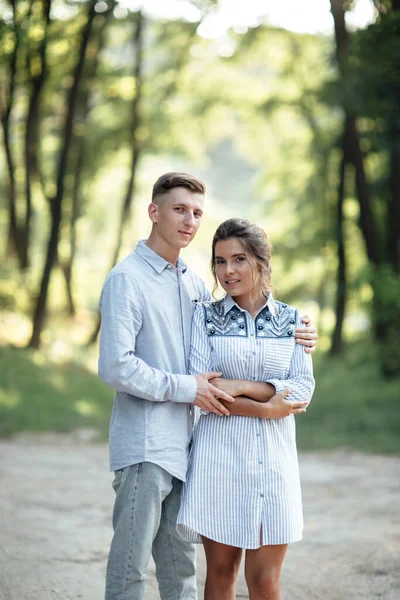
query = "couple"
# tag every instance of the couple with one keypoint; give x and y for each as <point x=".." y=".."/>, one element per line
<point x="164" y="344"/>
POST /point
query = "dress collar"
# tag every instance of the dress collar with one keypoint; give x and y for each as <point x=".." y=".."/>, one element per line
<point x="229" y="302"/>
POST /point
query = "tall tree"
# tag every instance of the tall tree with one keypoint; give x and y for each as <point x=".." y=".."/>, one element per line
<point x="15" y="235"/>
<point x="57" y="201"/>
<point x="135" y="146"/>
<point x="37" y="73"/>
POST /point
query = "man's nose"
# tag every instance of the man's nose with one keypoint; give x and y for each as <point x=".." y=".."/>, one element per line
<point x="189" y="218"/>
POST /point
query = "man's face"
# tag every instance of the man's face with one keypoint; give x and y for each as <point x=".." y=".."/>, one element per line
<point x="177" y="216"/>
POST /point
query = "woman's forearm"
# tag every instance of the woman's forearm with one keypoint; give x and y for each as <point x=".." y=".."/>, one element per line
<point x="257" y="390"/>
<point x="246" y="407"/>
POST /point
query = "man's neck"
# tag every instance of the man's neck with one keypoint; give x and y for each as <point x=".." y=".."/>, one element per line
<point x="163" y="249"/>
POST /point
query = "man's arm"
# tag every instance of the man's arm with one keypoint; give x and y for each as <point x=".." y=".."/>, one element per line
<point x="307" y="336"/>
<point x="123" y="371"/>
<point x="119" y="367"/>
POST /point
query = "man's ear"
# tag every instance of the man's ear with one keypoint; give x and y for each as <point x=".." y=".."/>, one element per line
<point x="153" y="212"/>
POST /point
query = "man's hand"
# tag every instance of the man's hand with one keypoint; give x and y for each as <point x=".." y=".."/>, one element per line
<point x="207" y="395"/>
<point x="307" y="336"/>
<point x="278" y="407"/>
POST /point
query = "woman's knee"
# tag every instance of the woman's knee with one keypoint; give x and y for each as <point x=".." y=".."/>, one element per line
<point x="264" y="582"/>
<point x="224" y="572"/>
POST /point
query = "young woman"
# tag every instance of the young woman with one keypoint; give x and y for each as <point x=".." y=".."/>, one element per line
<point x="243" y="489"/>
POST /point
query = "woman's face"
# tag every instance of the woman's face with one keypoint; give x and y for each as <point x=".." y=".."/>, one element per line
<point x="237" y="271"/>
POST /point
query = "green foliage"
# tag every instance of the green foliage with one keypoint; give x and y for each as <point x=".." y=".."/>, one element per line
<point x="386" y="316"/>
<point x="353" y="405"/>
<point x="40" y="396"/>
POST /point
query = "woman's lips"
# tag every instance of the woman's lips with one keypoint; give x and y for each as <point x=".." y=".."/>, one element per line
<point x="232" y="282"/>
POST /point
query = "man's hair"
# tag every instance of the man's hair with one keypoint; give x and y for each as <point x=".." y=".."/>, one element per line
<point x="169" y="181"/>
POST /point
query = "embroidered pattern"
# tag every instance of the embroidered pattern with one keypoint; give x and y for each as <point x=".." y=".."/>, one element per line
<point x="234" y="322"/>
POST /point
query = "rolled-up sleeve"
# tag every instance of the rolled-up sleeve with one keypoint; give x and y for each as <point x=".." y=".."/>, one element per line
<point x="300" y="379"/>
<point x="119" y="367"/>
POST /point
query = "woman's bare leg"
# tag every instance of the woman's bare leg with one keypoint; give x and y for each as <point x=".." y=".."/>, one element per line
<point x="263" y="570"/>
<point x="223" y="564"/>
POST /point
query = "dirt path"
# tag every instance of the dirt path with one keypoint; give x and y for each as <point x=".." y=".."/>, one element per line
<point x="55" y="508"/>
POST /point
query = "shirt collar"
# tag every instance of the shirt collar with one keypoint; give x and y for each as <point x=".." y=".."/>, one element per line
<point x="270" y="303"/>
<point x="155" y="260"/>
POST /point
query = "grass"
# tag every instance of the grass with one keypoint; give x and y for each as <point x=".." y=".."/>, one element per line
<point x="353" y="405"/>
<point x="43" y="396"/>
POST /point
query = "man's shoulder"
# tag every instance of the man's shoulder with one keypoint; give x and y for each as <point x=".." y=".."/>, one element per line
<point x="131" y="266"/>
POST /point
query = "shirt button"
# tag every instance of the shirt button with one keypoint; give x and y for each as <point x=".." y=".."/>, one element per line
<point x="258" y="434"/>
<point x="253" y="352"/>
<point x="260" y="462"/>
<point x="262" y="495"/>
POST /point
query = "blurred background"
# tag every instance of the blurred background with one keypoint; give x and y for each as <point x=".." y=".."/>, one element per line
<point x="290" y="112"/>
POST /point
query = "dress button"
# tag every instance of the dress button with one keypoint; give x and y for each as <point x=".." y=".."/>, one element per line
<point x="241" y="326"/>
<point x="233" y="318"/>
<point x="208" y="320"/>
<point x="260" y="327"/>
<point x="290" y="332"/>
<point x="292" y="322"/>
<point x="267" y="318"/>
<point x="212" y="331"/>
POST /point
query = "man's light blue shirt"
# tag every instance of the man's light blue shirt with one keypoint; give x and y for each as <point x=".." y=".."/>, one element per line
<point x="146" y="313"/>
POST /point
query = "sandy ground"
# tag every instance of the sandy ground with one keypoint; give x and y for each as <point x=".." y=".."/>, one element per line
<point x="56" y="502"/>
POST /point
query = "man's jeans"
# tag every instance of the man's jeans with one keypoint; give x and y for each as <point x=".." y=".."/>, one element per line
<point x="144" y="519"/>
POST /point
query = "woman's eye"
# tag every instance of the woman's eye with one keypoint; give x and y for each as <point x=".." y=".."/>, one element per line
<point x="240" y="259"/>
<point x="219" y="262"/>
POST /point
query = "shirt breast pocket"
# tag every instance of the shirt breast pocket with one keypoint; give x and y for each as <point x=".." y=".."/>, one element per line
<point x="278" y="354"/>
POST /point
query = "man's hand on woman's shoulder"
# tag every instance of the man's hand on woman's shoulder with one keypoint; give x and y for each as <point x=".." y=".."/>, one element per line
<point x="307" y="336"/>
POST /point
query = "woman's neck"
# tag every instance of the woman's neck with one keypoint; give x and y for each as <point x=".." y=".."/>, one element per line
<point x="252" y="302"/>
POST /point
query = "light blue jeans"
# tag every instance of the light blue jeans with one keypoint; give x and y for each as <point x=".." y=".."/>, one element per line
<point x="144" y="519"/>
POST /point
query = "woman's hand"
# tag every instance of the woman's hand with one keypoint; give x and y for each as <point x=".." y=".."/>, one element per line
<point x="278" y="407"/>
<point x="232" y="387"/>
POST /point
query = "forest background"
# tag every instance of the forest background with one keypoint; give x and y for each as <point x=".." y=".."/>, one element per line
<point x="298" y="131"/>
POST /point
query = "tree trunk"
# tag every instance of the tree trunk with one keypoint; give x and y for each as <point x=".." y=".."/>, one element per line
<point x="341" y="285"/>
<point x="56" y="202"/>
<point x="82" y="113"/>
<point x="14" y="238"/>
<point x="368" y="228"/>
<point x="135" y="154"/>
<point x="31" y="131"/>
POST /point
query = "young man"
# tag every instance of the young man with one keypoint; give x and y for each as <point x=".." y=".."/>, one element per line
<point x="146" y="307"/>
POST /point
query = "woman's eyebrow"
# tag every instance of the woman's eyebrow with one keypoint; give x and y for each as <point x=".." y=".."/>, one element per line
<point x="232" y="256"/>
